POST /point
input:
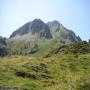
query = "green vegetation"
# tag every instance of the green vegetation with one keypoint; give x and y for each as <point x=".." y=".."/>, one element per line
<point x="37" y="48"/>
<point x="60" y="72"/>
<point x="22" y="48"/>
<point x="75" y="48"/>
<point x="3" y="47"/>
<point x="45" y="64"/>
<point x="40" y="56"/>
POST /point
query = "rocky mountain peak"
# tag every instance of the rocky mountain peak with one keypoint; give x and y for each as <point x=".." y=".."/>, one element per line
<point x="37" y="26"/>
<point x="50" y="30"/>
<point x="54" y="25"/>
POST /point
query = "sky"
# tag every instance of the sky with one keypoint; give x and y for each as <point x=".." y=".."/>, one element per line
<point x="73" y="14"/>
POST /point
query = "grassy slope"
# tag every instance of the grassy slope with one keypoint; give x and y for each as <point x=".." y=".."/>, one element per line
<point x="58" y="72"/>
<point x="46" y="46"/>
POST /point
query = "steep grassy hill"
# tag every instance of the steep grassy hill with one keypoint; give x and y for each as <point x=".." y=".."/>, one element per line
<point x="75" y="48"/>
<point x="61" y="67"/>
<point x="61" y="72"/>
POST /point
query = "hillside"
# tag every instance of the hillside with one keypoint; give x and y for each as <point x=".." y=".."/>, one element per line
<point x="3" y="46"/>
<point x="54" y="66"/>
<point x="36" y="36"/>
<point x="75" y="48"/>
<point x="44" y="56"/>
<point x="61" y="72"/>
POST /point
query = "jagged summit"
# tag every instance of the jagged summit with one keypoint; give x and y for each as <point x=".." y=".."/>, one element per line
<point x="50" y="30"/>
<point x="37" y="20"/>
<point x="61" y="33"/>
<point x="37" y="26"/>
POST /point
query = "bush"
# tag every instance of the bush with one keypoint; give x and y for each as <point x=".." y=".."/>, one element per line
<point x="3" y="51"/>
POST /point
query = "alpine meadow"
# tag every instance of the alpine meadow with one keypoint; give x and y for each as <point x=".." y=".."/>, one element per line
<point x="44" y="54"/>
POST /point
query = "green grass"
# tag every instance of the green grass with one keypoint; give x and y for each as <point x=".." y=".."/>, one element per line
<point x="46" y="46"/>
<point x="58" y="72"/>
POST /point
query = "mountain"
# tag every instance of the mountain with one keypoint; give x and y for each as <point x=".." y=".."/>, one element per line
<point x="51" y="30"/>
<point x="36" y="27"/>
<point x="45" y="63"/>
<point x="37" y="36"/>
<point x="57" y="72"/>
<point x="61" y="33"/>
<point x="54" y="25"/>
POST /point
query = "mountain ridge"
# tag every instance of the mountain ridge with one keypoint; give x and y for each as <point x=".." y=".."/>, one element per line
<point x="36" y="26"/>
<point x="49" y="30"/>
<point x="61" y="32"/>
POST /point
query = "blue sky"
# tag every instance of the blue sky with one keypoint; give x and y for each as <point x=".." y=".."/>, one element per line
<point x="73" y="14"/>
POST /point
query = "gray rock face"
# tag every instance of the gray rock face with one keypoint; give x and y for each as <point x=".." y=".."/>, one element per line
<point x="62" y="33"/>
<point x="38" y="26"/>
<point x="35" y="27"/>
<point x="21" y="31"/>
<point x="51" y="30"/>
<point x="54" y="25"/>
